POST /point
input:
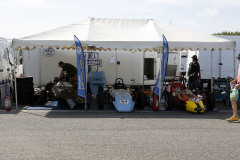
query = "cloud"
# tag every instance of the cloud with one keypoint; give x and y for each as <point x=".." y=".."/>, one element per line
<point x="209" y="12"/>
<point x="198" y="2"/>
<point x="34" y="3"/>
<point x="30" y="2"/>
<point x="167" y="1"/>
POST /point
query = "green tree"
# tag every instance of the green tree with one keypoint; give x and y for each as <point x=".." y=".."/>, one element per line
<point x="229" y="33"/>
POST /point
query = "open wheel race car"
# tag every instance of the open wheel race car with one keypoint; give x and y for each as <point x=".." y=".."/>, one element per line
<point x="61" y="91"/>
<point x="177" y="94"/>
<point x="118" y="94"/>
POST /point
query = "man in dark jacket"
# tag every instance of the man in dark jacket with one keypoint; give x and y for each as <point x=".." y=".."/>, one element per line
<point x="193" y="73"/>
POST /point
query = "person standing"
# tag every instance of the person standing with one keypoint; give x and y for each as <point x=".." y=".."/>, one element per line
<point x="234" y="101"/>
<point x="193" y="73"/>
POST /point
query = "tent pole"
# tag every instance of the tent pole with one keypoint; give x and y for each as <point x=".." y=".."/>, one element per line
<point x="40" y="55"/>
<point x="116" y="64"/>
<point x="28" y="62"/>
<point x="211" y="70"/>
<point x="234" y="63"/>
<point x="220" y="63"/>
<point x="15" y="80"/>
<point x="159" y="81"/>
<point x="86" y="76"/>
<point x="143" y="68"/>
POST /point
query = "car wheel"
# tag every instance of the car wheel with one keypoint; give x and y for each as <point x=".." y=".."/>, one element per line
<point x="42" y="96"/>
<point x="210" y="101"/>
<point x="100" y="98"/>
<point x="169" y="101"/>
<point x="142" y="100"/>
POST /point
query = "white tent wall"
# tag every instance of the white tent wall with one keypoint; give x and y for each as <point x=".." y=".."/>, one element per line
<point x="226" y="57"/>
<point x="227" y="67"/>
<point x="49" y="65"/>
<point x="44" y="68"/>
<point x="31" y="65"/>
<point x="204" y="59"/>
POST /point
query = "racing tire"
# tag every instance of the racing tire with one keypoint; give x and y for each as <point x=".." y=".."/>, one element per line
<point x="210" y="101"/>
<point x="89" y="99"/>
<point x="100" y="98"/>
<point x="42" y="96"/>
<point x="169" y="101"/>
<point x="142" y="101"/>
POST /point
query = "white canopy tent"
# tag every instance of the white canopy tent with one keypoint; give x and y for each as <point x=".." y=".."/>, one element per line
<point x="123" y="34"/>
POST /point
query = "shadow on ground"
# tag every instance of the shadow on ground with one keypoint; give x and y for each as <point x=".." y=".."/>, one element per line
<point x="140" y="115"/>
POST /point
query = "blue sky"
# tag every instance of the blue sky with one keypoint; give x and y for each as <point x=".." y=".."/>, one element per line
<point x="20" y="18"/>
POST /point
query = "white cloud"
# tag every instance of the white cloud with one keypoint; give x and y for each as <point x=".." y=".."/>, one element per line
<point x="198" y="2"/>
<point x="177" y="2"/>
<point x="30" y="2"/>
<point x="209" y="12"/>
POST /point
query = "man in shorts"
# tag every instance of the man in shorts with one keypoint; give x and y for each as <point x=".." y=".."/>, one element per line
<point x="234" y="102"/>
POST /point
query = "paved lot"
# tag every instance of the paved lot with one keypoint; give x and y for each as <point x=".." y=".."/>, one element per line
<point x="111" y="135"/>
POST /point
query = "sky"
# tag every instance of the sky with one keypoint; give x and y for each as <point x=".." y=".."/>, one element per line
<point x="21" y="18"/>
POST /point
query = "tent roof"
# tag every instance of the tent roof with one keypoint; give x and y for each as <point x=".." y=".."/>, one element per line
<point x="123" y="34"/>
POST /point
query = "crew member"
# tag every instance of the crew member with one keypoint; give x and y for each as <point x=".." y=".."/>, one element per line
<point x="70" y="69"/>
<point x="193" y="73"/>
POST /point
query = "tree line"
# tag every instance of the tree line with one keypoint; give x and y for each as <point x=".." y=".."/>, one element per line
<point x="236" y="33"/>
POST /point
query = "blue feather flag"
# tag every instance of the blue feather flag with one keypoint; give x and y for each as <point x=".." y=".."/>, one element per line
<point x="163" y="68"/>
<point x="80" y="69"/>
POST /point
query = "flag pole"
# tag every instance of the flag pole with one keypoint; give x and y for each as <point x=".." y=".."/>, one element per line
<point x="160" y="77"/>
<point x="86" y="75"/>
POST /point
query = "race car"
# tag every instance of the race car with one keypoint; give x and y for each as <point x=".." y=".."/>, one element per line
<point x="177" y="94"/>
<point x="118" y="94"/>
<point x="61" y="91"/>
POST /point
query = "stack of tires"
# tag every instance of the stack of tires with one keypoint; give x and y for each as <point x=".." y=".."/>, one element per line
<point x="25" y="90"/>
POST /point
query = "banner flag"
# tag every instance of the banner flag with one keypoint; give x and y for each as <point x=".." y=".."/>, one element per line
<point x="80" y="69"/>
<point x="163" y="68"/>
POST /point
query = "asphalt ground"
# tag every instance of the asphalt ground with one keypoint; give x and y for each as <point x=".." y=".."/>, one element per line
<point x="66" y="134"/>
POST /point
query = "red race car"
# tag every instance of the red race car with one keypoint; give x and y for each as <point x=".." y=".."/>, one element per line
<point x="177" y="94"/>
